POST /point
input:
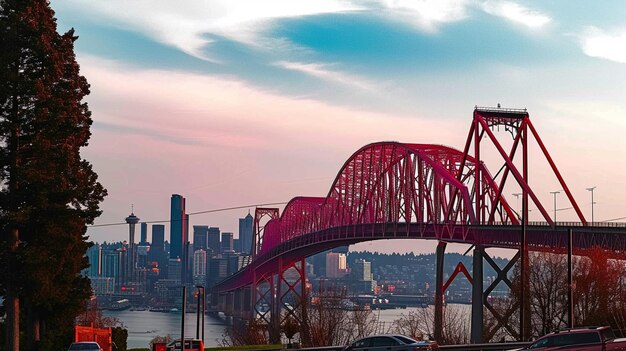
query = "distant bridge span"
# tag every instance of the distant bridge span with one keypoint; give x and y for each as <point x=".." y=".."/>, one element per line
<point x="392" y="190"/>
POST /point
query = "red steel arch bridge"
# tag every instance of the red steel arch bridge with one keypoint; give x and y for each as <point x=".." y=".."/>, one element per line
<point x="392" y="190"/>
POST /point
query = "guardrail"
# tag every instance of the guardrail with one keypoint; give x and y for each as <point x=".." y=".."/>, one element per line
<point x="469" y="347"/>
<point x="486" y="347"/>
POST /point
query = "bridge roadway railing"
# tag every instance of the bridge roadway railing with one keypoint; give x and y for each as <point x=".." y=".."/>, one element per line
<point x="468" y="347"/>
<point x="540" y="236"/>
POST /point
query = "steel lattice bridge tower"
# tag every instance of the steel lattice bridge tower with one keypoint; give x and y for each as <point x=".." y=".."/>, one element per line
<point x="391" y="190"/>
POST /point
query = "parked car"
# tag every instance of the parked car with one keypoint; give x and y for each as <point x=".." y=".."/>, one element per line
<point x="190" y="345"/>
<point x="579" y="339"/>
<point x="393" y="342"/>
<point x="85" y="346"/>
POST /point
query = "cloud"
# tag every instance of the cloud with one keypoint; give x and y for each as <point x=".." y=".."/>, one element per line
<point x="322" y="71"/>
<point x="189" y="26"/>
<point x="610" y="46"/>
<point x="426" y="14"/>
<point x="517" y="13"/>
<point x="221" y="141"/>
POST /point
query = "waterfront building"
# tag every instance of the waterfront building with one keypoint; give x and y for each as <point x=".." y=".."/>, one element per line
<point x="336" y="266"/>
<point x="363" y="280"/>
<point x="168" y="292"/>
<point x="245" y="234"/>
<point x="102" y="285"/>
<point x="362" y="270"/>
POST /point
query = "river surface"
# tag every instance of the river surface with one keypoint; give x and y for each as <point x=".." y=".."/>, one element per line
<point x="144" y="325"/>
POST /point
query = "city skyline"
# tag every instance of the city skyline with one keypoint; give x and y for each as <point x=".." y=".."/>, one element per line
<point x="249" y="105"/>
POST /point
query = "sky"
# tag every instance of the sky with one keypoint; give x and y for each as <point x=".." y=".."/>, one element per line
<point x="232" y="103"/>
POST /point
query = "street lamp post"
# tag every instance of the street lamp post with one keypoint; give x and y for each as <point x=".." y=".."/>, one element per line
<point x="200" y="312"/>
<point x="517" y="195"/>
<point x="554" y="193"/>
<point x="592" y="202"/>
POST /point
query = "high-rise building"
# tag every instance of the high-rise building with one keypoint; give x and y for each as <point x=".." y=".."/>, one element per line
<point x="177" y="226"/>
<point x="179" y="234"/>
<point x="245" y="233"/>
<point x="174" y="270"/>
<point x="131" y="261"/>
<point x="214" y="240"/>
<point x="157" y="249"/>
<point x="336" y="265"/>
<point x="144" y="234"/>
<point x="362" y="270"/>
<point x="199" y="267"/>
<point x="102" y="285"/>
<point x="110" y="264"/>
<point x="216" y="271"/>
<point x="200" y="237"/>
<point x="94" y="255"/>
<point x="227" y="242"/>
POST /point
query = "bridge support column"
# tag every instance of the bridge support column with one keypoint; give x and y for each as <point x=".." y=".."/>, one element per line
<point x="477" y="296"/>
<point x="275" y="317"/>
<point x="247" y="302"/>
<point x="238" y="303"/>
<point x="305" y="338"/>
<point x="262" y="299"/>
<point x="230" y="304"/>
<point x="441" y="250"/>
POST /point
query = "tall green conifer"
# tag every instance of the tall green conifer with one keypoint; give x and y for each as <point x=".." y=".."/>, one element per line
<point x="48" y="192"/>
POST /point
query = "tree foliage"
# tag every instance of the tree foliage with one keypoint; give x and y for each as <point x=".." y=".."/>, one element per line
<point x="49" y="192"/>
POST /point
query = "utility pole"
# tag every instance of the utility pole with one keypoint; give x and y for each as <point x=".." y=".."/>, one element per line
<point x="592" y="202"/>
<point x="517" y="195"/>
<point x="554" y="193"/>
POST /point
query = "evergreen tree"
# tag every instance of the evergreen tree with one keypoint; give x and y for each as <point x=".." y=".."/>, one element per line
<point x="48" y="192"/>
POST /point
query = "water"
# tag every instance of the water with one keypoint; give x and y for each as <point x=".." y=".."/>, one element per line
<point x="144" y="325"/>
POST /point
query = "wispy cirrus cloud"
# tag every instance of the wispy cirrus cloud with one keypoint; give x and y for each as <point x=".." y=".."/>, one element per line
<point x="601" y="44"/>
<point x="426" y="14"/>
<point x="326" y="73"/>
<point x="189" y="26"/>
<point x="516" y="13"/>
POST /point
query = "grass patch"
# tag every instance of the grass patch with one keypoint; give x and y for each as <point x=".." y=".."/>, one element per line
<point x="245" y="347"/>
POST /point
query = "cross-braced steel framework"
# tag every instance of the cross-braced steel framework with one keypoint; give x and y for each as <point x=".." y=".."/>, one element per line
<point x="391" y="190"/>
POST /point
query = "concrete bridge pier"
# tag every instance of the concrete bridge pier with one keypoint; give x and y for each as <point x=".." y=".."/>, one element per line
<point x="238" y="303"/>
<point x="229" y="304"/>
